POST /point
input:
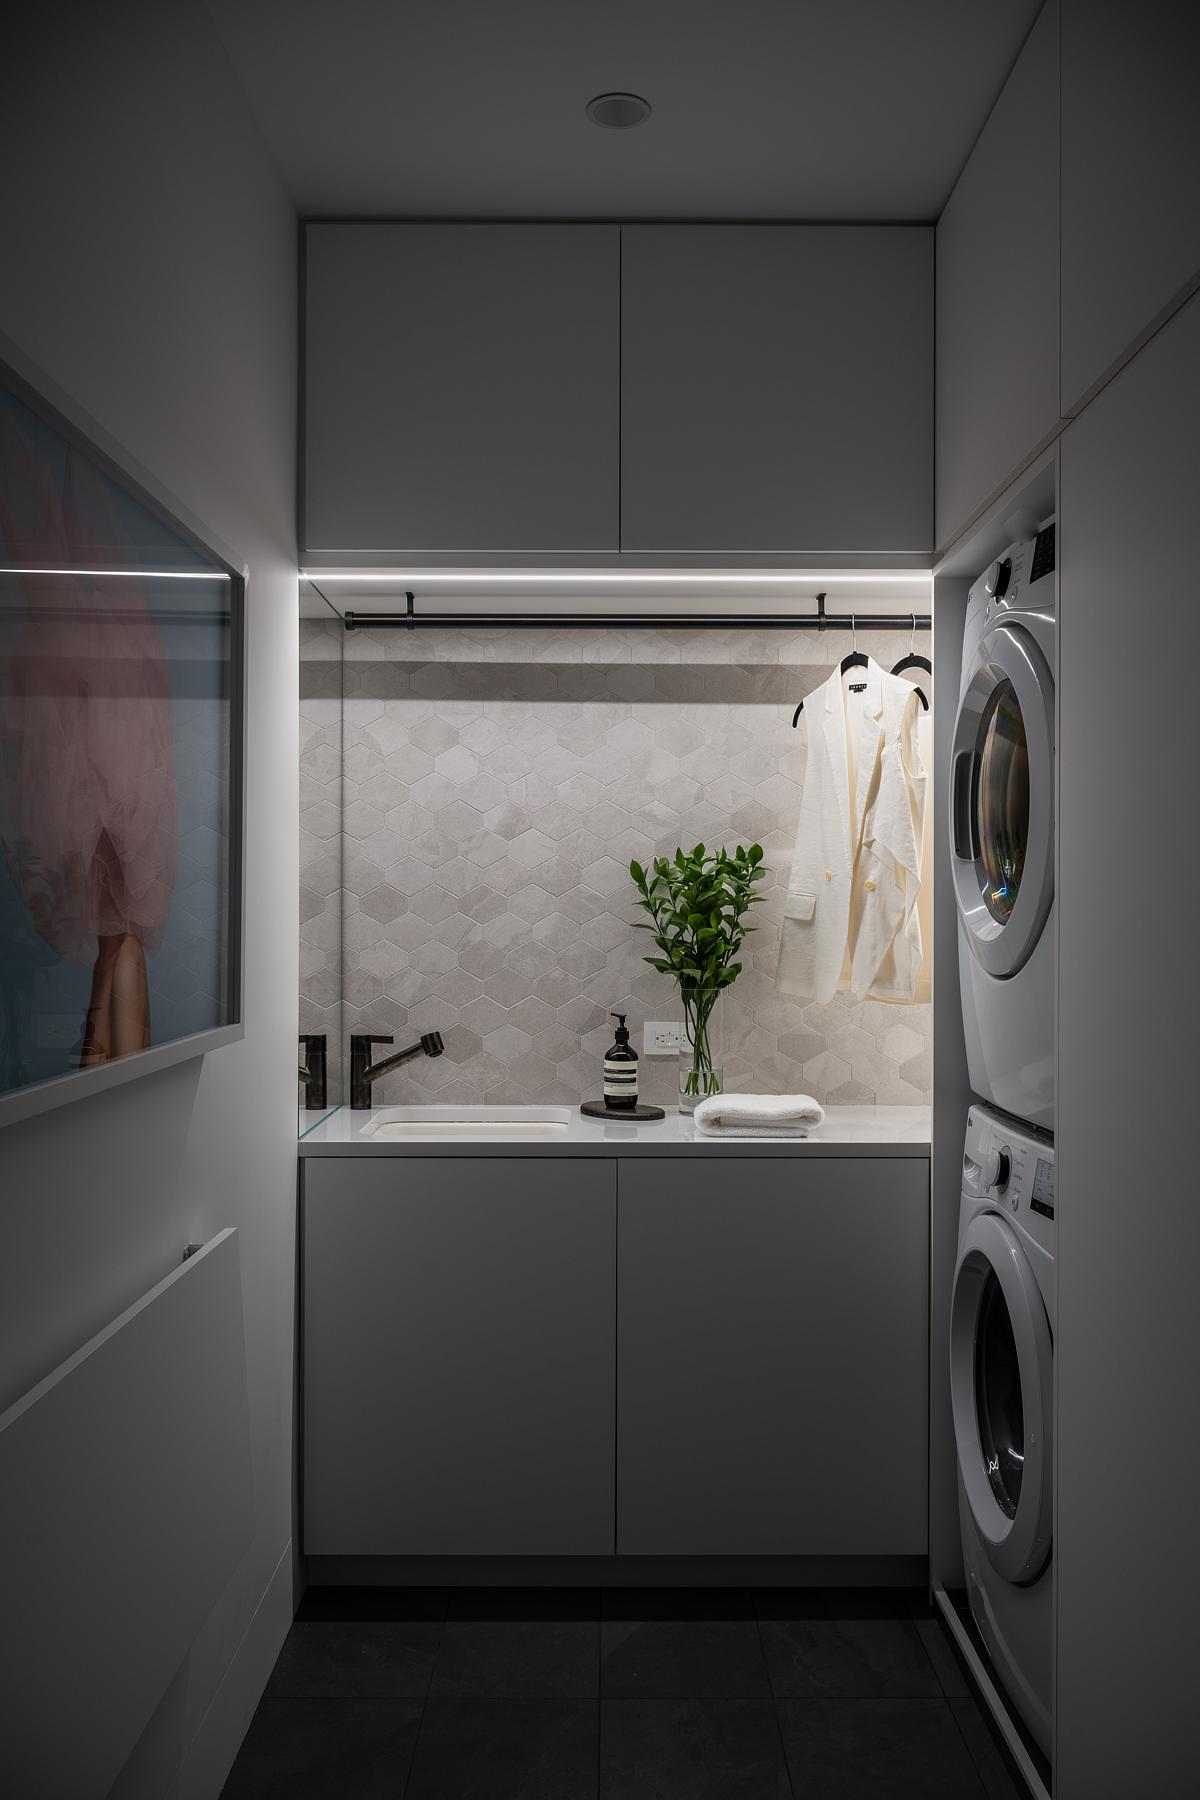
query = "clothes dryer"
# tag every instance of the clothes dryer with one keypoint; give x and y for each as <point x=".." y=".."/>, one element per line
<point x="1002" y="1323"/>
<point x="1002" y="830"/>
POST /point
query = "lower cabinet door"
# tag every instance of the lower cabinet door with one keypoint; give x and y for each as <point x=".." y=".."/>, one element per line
<point x="458" y="1356"/>
<point x="772" y="1357"/>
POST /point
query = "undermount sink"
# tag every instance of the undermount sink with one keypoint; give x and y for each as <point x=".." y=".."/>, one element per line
<point x="467" y="1122"/>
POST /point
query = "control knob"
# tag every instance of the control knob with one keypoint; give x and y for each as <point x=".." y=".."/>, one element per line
<point x="995" y="1167"/>
<point x="996" y="579"/>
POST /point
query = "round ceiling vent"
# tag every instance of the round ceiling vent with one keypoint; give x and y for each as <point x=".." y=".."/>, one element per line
<point x="618" y="111"/>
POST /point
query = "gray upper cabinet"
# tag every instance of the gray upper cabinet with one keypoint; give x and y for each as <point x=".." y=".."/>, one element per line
<point x="772" y="1349"/>
<point x="776" y="389"/>
<point x="458" y="1356"/>
<point x="997" y="291"/>
<point x="460" y="388"/>
<point x="1130" y="176"/>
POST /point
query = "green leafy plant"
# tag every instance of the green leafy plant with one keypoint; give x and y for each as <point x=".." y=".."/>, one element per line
<point x="697" y="906"/>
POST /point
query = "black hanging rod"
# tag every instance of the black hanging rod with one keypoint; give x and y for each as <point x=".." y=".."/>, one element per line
<point x="411" y="620"/>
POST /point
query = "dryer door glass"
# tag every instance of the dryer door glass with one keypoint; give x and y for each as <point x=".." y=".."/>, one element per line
<point x="1001" y="801"/>
<point x="1002" y="812"/>
<point x="998" y="1398"/>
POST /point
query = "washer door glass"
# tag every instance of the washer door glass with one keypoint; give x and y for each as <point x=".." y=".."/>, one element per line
<point x="998" y="1407"/>
<point x="1002" y="801"/>
<point x="1001" y="1359"/>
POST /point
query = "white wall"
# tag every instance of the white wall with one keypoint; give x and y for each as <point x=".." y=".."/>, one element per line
<point x="149" y="268"/>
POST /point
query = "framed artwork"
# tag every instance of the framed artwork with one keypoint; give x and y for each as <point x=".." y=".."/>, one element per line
<point x="121" y="763"/>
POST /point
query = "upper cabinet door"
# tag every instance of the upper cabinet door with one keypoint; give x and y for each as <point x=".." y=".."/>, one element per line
<point x="461" y="388"/>
<point x="997" y="291"/>
<point x="1130" y="177"/>
<point x="776" y="385"/>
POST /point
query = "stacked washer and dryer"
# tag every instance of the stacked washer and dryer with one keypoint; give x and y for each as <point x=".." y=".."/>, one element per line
<point x="1003" y="1307"/>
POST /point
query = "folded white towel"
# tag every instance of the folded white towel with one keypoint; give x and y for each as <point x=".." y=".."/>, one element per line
<point x="758" y="1115"/>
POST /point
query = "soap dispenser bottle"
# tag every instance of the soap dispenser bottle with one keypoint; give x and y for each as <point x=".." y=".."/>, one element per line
<point x="620" y="1071"/>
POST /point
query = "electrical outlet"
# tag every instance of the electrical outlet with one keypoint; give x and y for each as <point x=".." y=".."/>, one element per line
<point x="662" y="1037"/>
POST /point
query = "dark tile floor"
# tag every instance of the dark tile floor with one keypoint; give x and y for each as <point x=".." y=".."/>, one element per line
<point x="629" y="1694"/>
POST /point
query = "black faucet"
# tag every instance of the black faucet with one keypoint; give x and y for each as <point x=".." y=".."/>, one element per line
<point x="363" y="1072"/>
<point x="312" y="1071"/>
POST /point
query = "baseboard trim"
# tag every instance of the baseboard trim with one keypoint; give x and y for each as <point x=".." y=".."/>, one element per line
<point x="990" y="1695"/>
<point x="218" y="1738"/>
<point x="617" y="1571"/>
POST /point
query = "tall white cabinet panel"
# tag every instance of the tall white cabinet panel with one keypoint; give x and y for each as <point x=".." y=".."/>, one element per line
<point x="772" y="1343"/>
<point x="997" y="291"/>
<point x="458" y="1356"/>
<point x="460" y="387"/>
<point x="1127" y="1564"/>
<point x="1130" y="175"/>
<point x="776" y="388"/>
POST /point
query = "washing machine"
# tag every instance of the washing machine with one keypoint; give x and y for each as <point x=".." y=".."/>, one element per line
<point x="1002" y="1322"/>
<point x="1002" y="830"/>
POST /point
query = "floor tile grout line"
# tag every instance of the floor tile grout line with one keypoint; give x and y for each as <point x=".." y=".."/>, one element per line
<point x="974" y="1760"/>
<point x="953" y="1654"/>
<point x="412" y="1755"/>
<point x="863" y="1700"/>
<point x="599" y="1694"/>
<point x="933" y="1668"/>
<point x="762" y="1646"/>
<point x="775" y="1713"/>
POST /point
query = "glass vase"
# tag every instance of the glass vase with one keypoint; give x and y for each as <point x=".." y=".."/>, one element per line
<point x="700" y="1070"/>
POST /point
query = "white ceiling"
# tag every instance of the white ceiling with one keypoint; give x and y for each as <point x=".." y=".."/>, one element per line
<point x="813" y="109"/>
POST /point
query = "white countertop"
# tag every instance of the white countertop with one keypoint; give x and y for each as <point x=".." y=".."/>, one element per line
<point x="847" y="1131"/>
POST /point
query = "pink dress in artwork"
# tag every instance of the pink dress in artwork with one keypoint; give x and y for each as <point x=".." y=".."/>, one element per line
<point x="87" y="792"/>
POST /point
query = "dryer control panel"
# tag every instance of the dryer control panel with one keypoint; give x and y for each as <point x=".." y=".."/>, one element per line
<point x="1020" y="579"/>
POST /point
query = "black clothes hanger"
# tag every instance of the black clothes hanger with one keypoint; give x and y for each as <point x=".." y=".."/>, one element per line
<point x="854" y="659"/>
<point x="913" y="661"/>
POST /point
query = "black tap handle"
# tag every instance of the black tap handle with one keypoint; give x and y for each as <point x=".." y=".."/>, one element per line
<point x="314" y="1070"/>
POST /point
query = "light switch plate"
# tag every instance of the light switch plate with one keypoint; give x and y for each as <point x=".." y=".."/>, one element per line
<point x="662" y="1037"/>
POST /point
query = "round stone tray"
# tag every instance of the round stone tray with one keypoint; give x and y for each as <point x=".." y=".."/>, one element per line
<point x="596" y="1109"/>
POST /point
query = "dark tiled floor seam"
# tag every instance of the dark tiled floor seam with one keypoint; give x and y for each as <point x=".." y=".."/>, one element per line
<point x="1013" y="1782"/>
<point x="412" y="1757"/>
<point x="783" y="1755"/>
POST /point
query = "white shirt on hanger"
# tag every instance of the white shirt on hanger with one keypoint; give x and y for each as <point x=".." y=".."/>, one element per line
<point x="851" y="918"/>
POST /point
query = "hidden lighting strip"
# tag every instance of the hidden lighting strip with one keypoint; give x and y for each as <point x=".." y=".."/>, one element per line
<point x="130" y="574"/>
<point x="611" y="577"/>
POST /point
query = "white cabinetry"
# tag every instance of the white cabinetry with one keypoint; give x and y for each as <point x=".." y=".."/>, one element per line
<point x="997" y="291"/>
<point x="1128" y="1340"/>
<point x="776" y="386"/>
<point x="1130" y="176"/>
<point x="484" y="1351"/>
<point x="460" y="388"/>
<point x="458" y="1356"/>
<point x="772" y="1358"/>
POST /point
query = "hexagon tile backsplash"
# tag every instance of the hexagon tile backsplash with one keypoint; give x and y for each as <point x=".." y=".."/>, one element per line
<point x="493" y="790"/>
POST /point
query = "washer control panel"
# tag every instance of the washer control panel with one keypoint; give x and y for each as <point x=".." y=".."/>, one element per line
<point x="1008" y="1165"/>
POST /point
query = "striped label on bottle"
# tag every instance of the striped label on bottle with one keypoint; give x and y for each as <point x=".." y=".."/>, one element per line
<point x="620" y="1080"/>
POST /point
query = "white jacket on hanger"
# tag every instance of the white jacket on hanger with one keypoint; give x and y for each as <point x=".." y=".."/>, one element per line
<point x="851" y="916"/>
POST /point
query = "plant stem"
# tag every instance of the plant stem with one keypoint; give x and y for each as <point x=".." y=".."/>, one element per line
<point x="698" y="1011"/>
